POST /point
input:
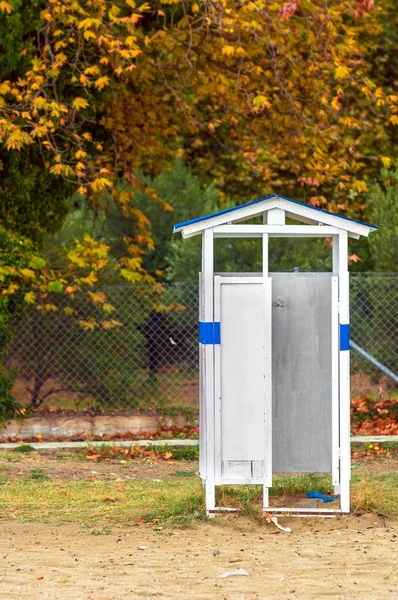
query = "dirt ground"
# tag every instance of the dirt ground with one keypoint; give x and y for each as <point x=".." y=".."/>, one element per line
<point x="343" y="558"/>
<point x="79" y="471"/>
<point x="65" y="470"/>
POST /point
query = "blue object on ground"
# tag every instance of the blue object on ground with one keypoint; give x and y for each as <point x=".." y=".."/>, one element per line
<point x="321" y="496"/>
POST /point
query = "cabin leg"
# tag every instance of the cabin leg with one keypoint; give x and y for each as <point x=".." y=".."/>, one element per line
<point x="210" y="499"/>
<point x="265" y="497"/>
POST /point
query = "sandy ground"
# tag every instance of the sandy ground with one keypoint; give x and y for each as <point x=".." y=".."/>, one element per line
<point x="345" y="558"/>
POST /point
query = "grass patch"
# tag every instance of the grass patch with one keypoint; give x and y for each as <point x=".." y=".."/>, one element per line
<point x="179" y="502"/>
<point x="98" y="504"/>
<point x="39" y="474"/>
<point x="185" y="473"/>
<point x="24" y="448"/>
<point x="9" y="456"/>
<point x="378" y="494"/>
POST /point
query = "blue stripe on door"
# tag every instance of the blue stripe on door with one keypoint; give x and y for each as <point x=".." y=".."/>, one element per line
<point x="344" y="337"/>
<point x="209" y="332"/>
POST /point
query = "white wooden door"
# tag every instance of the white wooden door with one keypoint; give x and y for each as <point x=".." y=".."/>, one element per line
<point x="243" y="380"/>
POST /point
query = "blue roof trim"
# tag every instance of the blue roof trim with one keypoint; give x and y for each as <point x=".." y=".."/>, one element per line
<point x="179" y="226"/>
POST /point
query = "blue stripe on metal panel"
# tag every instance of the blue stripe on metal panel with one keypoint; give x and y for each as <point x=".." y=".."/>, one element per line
<point x="344" y="337"/>
<point x="276" y="196"/>
<point x="209" y="332"/>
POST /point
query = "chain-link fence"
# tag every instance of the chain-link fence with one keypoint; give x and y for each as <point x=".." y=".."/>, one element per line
<point x="151" y="359"/>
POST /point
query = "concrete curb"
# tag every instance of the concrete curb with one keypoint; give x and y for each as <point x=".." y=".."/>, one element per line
<point x="121" y="444"/>
<point x="143" y="443"/>
<point x="92" y="426"/>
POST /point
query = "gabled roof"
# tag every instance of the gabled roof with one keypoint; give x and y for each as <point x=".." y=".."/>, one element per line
<point x="293" y="209"/>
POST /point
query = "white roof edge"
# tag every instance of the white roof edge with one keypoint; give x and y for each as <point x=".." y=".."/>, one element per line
<point x="293" y="208"/>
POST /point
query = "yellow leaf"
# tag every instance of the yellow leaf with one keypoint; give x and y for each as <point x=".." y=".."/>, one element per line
<point x="394" y="119"/>
<point x="30" y="297"/>
<point x="89" y="22"/>
<point x="59" y="45"/>
<point x="80" y="103"/>
<point x="89" y="35"/>
<point x="386" y="160"/>
<point x="336" y="103"/>
<point x="360" y="186"/>
<point x="341" y="72"/>
<point x="87" y="325"/>
<point x="27" y="273"/>
<point x="80" y="154"/>
<point x="261" y="102"/>
<point x="100" y="184"/>
<point x="101" y="82"/>
<point x="228" y="50"/>
<point x="47" y="16"/>
<point x="97" y="297"/>
<point x="5" y="87"/>
<point x="50" y="307"/>
<point x="5" y="7"/>
<point x="11" y="289"/>
<point x="108" y="307"/>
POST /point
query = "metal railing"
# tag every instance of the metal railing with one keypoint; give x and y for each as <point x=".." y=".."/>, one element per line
<point x="151" y="360"/>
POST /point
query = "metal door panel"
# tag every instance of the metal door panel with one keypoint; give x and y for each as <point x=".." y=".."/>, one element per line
<point x="302" y="372"/>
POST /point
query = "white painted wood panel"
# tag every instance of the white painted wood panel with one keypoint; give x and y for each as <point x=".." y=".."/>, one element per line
<point x="245" y="374"/>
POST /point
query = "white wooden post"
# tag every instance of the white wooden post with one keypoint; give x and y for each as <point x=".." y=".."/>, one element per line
<point x="265" y="254"/>
<point x="208" y="379"/>
<point x="268" y="383"/>
<point x="335" y="385"/>
<point x="345" y="449"/>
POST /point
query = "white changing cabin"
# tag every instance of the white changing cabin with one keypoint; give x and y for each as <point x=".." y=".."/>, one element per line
<point x="274" y="355"/>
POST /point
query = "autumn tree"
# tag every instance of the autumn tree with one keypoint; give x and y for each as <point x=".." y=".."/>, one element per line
<point x="278" y="90"/>
<point x="256" y="96"/>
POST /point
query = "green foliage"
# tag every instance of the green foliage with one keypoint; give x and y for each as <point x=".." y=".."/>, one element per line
<point x="15" y="249"/>
<point x="9" y="407"/>
<point x="383" y="212"/>
<point x="33" y="202"/>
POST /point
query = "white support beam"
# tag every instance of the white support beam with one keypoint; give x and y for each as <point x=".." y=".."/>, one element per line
<point x="247" y="231"/>
<point x="276" y="216"/>
<point x="208" y="349"/>
<point x="345" y="453"/>
<point x="335" y="385"/>
<point x="265" y="254"/>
